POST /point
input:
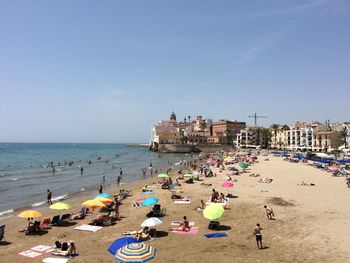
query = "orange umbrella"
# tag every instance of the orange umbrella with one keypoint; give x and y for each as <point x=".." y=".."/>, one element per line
<point x="104" y="200"/>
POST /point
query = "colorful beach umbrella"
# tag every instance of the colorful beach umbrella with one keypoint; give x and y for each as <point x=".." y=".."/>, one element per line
<point x="93" y="203"/>
<point x="152" y="222"/>
<point x="213" y="212"/>
<point x="121" y="242"/>
<point x="104" y="195"/>
<point x="29" y="214"/>
<point x="104" y="200"/>
<point x="60" y="206"/>
<point x="149" y="201"/>
<point x="136" y="253"/>
<point x="163" y="175"/>
<point x="243" y="165"/>
<point x="227" y="184"/>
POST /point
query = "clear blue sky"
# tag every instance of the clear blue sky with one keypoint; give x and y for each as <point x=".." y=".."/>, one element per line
<point x="105" y="71"/>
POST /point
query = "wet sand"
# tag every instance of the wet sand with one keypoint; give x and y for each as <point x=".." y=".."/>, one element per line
<point x="312" y="226"/>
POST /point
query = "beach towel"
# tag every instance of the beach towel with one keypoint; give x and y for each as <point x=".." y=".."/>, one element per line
<point x="55" y="260"/>
<point x="193" y="231"/>
<point x="42" y="248"/>
<point x="29" y="254"/>
<point x="216" y="235"/>
<point x="182" y="201"/>
<point x="88" y="228"/>
<point x="176" y="223"/>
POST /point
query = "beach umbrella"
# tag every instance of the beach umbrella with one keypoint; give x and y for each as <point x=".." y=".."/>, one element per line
<point x="135" y="252"/>
<point x="60" y="206"/>
<point x="213" y="211"/>
<point x="104" y="200"/>
<point x="243" y="165"/>
<point x="149" y="201"/>
<point x="163" y="175"/>
<point x="104" y="195"/>
<point x="188" y="175"/>
<point x="196" y="173"/>
<point x="29" y="214"/>
<point x="206" y="169"/>
<point x="152" y="222"/>
<point x="227" y="184"/>
<point x="121" y="242"/>
<point x="93" y="203"/>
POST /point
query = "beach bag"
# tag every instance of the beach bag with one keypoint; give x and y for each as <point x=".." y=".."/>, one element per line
<point x="213" y="225"/>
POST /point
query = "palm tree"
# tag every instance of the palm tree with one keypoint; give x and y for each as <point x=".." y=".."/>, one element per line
<point x="189" y="118"/>
<point x="285" y="128"/>
<point x="344" y="135"/>
<point x="266" y="138"/>
<point x="275" y="128"/>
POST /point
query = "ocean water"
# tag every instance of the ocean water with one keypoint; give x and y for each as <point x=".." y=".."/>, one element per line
<point x="25" y="173"/>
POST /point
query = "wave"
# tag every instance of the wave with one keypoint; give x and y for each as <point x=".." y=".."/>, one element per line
<point x="6" y="212"/>
<point x="58" y="198"/>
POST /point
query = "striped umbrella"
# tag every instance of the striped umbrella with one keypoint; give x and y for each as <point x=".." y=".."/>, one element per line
<point x="135" y="252"/>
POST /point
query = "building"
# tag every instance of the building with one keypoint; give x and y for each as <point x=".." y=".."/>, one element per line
<point x="225" y="132"/>
<point x="247" y="138"/>
<point x="280" y="139"/>
<point x="197" y="131"/>
<point x="301" y="135"/>
<point x="325" y="141"/>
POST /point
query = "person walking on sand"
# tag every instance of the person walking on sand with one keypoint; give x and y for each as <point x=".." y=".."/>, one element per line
<point x="121" y="172"/>
<point x="100" y="190"/>
<point x="103" y="179"/>
<point x="269" y="212"/>
<point x="49" y="196"/>
<point x="258" y="236"/>
<point x="118" y="179"/>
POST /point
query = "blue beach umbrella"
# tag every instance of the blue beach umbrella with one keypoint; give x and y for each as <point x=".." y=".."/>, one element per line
<point x="104" y="195"/>
<point x="149" y="201"/>
<point x="121" y="242"/>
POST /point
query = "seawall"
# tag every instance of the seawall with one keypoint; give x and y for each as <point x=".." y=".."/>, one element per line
<point x="188" y="148"/>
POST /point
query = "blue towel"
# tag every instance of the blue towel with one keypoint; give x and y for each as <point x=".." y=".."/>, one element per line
<point x="147" y="193"/>
<point x="216" y="235"/>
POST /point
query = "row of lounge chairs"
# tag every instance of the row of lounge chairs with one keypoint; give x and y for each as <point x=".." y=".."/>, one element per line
<point x="38" y="226"/>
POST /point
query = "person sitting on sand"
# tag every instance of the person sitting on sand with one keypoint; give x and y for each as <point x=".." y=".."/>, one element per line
<point x="80" y="215"/>
<point x="143" y="235"/>
<point x="222" y="198"/>
<point x="229" y="179"/>
<point x="214" y="196"/>
<point x="201" y="206"/>
<point x="269" y="212"/>
<point x="206" y="184"/>
<point x="184" y="226"/>
<point x="72" y="251"/>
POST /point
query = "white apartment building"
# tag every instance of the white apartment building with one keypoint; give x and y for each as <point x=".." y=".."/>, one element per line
<point x="301" y="135"/>
<point x="246" y="138"/>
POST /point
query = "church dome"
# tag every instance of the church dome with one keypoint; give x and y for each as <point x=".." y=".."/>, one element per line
<point x="173" y="116"/>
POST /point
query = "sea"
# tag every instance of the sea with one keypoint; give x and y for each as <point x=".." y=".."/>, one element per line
<point x="26" y="171"/>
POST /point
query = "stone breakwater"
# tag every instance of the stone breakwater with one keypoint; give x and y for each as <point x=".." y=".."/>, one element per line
<point x="188" y="148"/>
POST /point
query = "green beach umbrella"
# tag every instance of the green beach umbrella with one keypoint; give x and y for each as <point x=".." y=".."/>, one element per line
<point x="188" y="175"/>
<point x="243" y="165"/>
<point x="213" y="212"/>
<point x="163" y="175"/>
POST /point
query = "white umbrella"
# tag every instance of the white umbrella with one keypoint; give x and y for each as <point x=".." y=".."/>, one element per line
<point x="196" y="173"/>
<point x="152" y="222"/>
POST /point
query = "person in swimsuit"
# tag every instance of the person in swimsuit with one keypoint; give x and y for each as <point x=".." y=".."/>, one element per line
<point x="258" y="236"/>
<point x="49" y="196"/>
<point x="269" y="212"/>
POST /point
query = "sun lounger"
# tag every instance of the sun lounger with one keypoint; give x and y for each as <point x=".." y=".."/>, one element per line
<point x="64" y="218"/>
<point x="55" y="220"/>
<point x="45" y="223"/>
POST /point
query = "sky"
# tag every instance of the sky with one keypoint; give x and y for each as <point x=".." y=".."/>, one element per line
<point x="106" y="71"/>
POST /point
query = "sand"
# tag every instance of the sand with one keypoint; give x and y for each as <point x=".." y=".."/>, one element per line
<point x="311" y="223"/>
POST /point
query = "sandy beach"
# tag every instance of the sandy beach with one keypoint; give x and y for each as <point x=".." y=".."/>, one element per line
<point x="311" y="223"/>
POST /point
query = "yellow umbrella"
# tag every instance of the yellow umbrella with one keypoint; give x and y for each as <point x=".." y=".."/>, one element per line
<point x="104" y="200"/>
<point x="60" y="206"/>
<point x="213" y="212"/>
<point x="93" y="203"/>
<point x="29" y="214"/>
